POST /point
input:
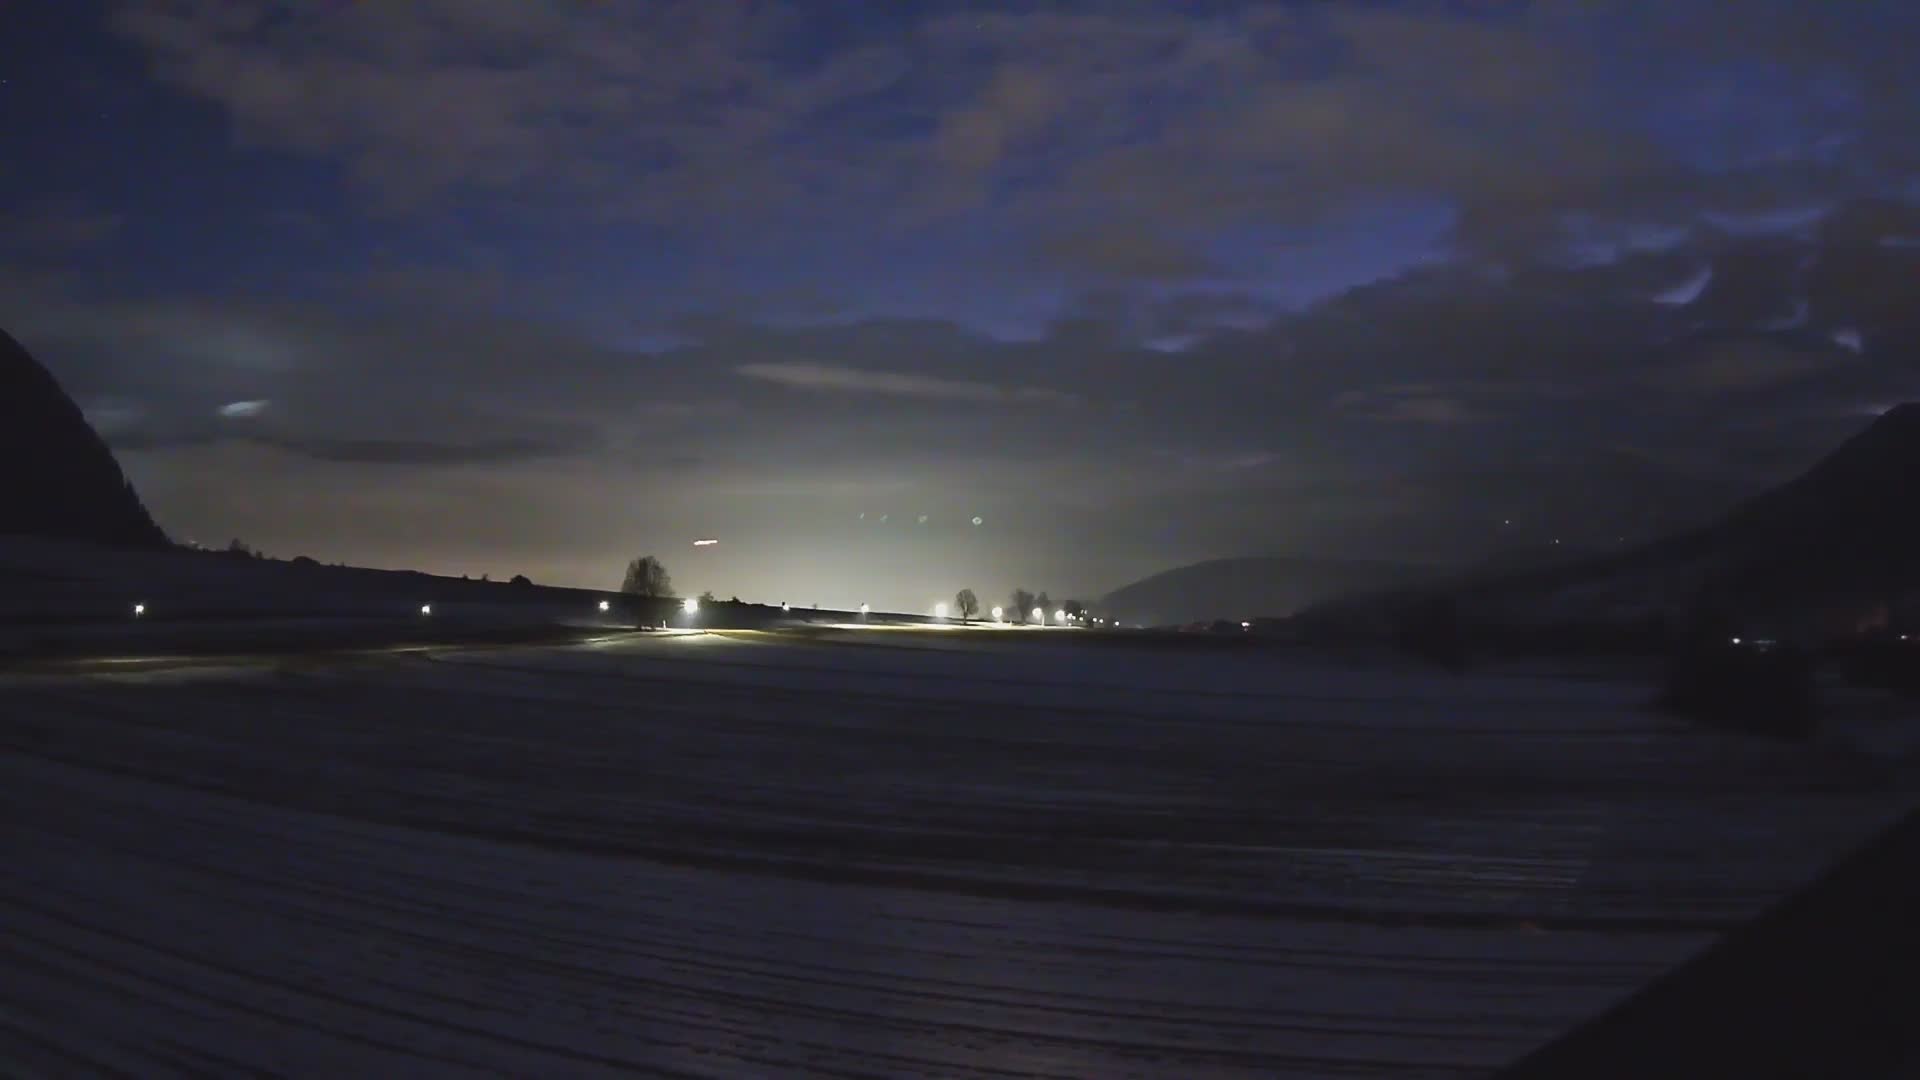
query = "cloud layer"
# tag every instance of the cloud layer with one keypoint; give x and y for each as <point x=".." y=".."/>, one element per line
<point x="1136" y="283"/>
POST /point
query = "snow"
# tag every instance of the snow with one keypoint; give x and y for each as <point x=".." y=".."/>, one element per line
<point x="1686" y="292"/>
<point x="866" y="854"/>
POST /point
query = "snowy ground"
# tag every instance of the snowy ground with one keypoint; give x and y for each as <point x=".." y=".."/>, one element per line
<point x="865" y="854"/>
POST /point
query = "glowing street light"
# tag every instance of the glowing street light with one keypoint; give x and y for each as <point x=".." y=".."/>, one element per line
<point x="863" y="610"/>
<point x="1060" y="616"/>
<point x="691" y="605"/>
<point x="139" y="610"/>
<point x="783" y="606"/>
<point x="997" y="614"/>
<point x="1040" y="616"/>
<point x="605" y="607"/>
<point x="426" y="609"/>
<point x="940" y="610"/>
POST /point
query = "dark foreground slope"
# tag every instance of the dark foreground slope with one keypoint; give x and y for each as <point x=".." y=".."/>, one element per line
<point x="1822" y="985"/>
<point x="60" y="481"/>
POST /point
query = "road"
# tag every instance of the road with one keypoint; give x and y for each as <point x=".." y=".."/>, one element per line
<point x="862" y="854"/>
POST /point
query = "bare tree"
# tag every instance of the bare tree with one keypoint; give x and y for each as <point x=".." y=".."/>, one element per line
<point x="967" y="604"/>
<point x="1045" y="605"/>
<point x="647" y="576"/>
<point x="1074" y="609"/>
<point x="1022" y="605"/>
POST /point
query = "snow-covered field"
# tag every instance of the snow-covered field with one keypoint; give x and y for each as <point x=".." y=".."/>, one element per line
<point x="889" y="853"/>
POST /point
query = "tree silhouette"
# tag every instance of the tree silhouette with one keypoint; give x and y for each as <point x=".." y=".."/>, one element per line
<point x="1045" y="605"/>
<point x="1074" y="609"/>
<point x="1022" y="604"/>
<point x="647" y="576"/>
<point x="967" y="604"/>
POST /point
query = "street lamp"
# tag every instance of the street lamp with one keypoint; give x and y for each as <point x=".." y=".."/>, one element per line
<point x="1060" y="616"/>
<point x="605" y="607"/>
<point x="139" y="610"/>
<point x="426" y="609"/>
<point x="691" y="605"/>
<point x="940" y="610"/>
<point x="997" y="613"/>
<point x="1040" y="616"/>
<point x="863" y="610"/>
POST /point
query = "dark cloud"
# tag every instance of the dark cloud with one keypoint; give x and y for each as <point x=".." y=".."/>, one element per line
<point x="56" y="229"/>
<point x="420" y="452"/>
<point x="1740" y="364"/>
<point x="1129" y="318"/>
<point x="1410" y="405"/>
<point x="1117" y="250"/>
<point x="833" y="378"/>
<point x="1084" y="114"/>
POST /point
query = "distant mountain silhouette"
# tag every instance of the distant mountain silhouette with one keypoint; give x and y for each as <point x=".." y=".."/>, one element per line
<point x="1851" y="522"/>
<point x="61" y="480"/>
<point x="1538" y="557"/>
<point x="1247" y="588"/>
<point x="1838" y="540"/>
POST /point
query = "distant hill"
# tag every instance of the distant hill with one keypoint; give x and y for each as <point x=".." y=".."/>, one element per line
<point x="1247" y="588"/>
<point x="61" y="481"/>
<point x="1522" y="559"/>
<point x="1826" y="550"/>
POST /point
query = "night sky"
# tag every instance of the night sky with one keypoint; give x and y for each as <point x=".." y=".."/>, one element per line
<point x="513" y="286"/>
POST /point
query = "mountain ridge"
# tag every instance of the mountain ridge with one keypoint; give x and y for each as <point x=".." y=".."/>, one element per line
<point x="1836" y="543"/>
<point x="64" y="482"/>
<point x="1248" y="587"/>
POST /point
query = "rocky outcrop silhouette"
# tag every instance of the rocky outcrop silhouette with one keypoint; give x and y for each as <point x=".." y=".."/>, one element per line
<point x="59" y="478"/>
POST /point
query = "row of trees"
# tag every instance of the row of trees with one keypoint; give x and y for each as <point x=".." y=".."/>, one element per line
<point x="648" y="577"/>
<point x="1020" y="605"/>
